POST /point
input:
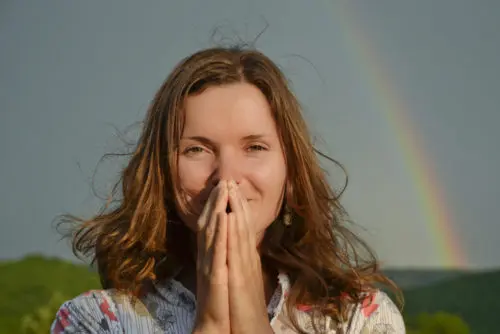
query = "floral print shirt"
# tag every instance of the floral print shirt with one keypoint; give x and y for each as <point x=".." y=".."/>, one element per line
<point x="171" y="309"/>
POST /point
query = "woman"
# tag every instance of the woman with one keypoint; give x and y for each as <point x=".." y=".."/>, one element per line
<point x="226" y="223"/>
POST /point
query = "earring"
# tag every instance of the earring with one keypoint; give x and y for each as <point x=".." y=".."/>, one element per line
<point x="287" y="216"/>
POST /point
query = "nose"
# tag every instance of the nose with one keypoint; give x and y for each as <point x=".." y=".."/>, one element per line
<point x="227" y="167"/>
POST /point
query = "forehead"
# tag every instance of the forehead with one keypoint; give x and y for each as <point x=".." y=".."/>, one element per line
<point x="223" y="111"/>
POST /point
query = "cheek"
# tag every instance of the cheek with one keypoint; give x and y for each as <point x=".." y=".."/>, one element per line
<point x="193" y="176"/>
<point x="269" y="179"/>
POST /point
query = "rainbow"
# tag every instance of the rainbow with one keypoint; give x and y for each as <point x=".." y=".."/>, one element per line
<point x="439" y="220"/>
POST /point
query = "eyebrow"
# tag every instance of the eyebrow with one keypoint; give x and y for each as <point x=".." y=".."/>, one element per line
<point x="208" y="141"/>
<point x="200" y="139"/>
<point x="254" y="137"/>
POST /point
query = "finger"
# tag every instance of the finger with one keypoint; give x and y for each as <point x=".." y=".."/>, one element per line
<point x="243" y="203"/>
<point x="221" y="203"/>
<point x="246" y="210"/>
<point x="247" y="216"/>
<point x="219" y="260"/>
<point x="241" y="228"/>
<point x="236" y="203"/>
<point x="208" y="208"/>
<point x="248" y="229"/>
<point x="236" y="199"/>
<point x="250" y="234"/>
<point x="236" y="259"/>
<point x="217" y="206"/>
<point x="233" y="251"/>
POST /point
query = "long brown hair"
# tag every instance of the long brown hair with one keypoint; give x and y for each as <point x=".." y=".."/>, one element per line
<point x="140" y="240"/>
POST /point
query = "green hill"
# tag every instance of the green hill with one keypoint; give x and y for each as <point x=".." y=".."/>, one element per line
<point x="29" y="284"/>
<point x="473" y="297"/>
<point x="415" y="278"/>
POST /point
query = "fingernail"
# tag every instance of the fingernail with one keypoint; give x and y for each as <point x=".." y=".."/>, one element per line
<point x="232" y="187"/>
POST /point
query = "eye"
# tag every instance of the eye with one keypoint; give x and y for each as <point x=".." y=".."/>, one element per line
<point x="256" y="147"/>
<point x="193" y="150"/>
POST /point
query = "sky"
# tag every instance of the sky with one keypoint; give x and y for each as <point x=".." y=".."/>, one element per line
<point x="405" y="94"/>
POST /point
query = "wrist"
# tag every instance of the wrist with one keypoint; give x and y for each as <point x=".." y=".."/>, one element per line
<point x="208" y="329"/>
<point x="203" y="330"/>
<point x="268" y="330"/>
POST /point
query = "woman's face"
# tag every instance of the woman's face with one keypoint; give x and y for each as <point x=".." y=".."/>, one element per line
<point x="230" y="134"/>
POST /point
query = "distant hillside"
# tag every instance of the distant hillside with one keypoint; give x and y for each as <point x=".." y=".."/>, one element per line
<point x="27" y="284"/>
<point x="413" y="278"/>
<point x="473" y="297"/>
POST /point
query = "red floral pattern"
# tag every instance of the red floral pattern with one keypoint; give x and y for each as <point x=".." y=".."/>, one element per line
<point x="369" y="306"/>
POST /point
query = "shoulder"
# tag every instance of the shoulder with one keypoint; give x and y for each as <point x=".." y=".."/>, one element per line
<point x="377" y="313"/>
<point x="110" y="312"/>
<point x="92" y="311"/>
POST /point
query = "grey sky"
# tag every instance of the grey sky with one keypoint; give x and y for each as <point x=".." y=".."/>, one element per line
<point x="70" y="71"/>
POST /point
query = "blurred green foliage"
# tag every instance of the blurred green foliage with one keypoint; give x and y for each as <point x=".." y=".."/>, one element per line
<point x="473" y="297"/>
<point x="437" y="323"/>
<point x="41" y="319"/>
<point x="33" y="289"/>
<point x="32" y="285"/>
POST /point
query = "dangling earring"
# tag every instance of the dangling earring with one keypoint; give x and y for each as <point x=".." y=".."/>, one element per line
<point x="287" y="216"/>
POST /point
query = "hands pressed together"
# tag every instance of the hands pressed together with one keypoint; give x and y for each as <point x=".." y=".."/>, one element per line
<point x="230" y="286"/>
